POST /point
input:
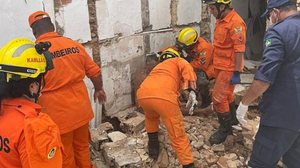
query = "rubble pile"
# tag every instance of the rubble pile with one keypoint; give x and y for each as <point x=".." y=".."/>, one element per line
<point x="125" y="144"/>
<point x="128" y="147"/>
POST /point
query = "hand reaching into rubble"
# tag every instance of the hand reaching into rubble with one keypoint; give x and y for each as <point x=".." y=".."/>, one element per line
<point x="241" y="112"/>
<point x="191" y="102"/>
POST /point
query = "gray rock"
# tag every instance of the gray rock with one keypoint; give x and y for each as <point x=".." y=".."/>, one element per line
<point x="116" y="136"/>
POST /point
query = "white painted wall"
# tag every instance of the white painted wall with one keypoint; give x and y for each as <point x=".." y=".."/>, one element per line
<point x="189" y="11"/>
<point x="118" y="17"/>
<point x="14" y="17"/>
<point x="74" y="19"/>
<point x="161" y="40"/>
<point x="160" y="13"/>
<point x="122" y="51"/>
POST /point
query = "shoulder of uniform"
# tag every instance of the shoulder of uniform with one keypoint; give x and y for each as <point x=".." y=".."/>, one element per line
<point x="27" y="111"/>
<point x="43" y="135"/>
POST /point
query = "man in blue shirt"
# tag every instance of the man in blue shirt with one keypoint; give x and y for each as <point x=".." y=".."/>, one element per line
<point x="278" y="79"/>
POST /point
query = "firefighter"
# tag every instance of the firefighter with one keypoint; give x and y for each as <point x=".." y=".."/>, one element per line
<point x="199" y="53"/>
<point x="228" y="61"/>
<point x="158" y="97"/>
<point x="28" y="137"/>
<point x="65" y="97"/>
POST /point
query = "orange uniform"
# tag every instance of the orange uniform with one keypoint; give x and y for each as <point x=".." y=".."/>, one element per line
<point x="28" y="138"/>
<point x="158" y="96"/>
<point x="203" y="59"/>
<point x="229" y="39"/>
<point x="65" y="97"/>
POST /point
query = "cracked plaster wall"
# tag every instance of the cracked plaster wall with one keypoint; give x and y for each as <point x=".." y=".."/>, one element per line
<point x="116" y="33"/>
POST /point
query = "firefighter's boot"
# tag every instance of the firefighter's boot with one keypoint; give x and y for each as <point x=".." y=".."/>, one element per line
<point x="224" y="129"/>
<point x="153" y="145"/>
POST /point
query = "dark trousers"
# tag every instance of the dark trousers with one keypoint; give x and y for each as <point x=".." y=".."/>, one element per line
<point x="271" y="144"/>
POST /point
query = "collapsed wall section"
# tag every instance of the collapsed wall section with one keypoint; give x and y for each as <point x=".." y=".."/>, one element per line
<point x="116" y="33"/>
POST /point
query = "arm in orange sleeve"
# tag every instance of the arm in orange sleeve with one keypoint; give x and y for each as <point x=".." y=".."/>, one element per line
<point x="91" y="68"/>
<point x="188" y="74"/>
<point x="196" y="64"/>
<point x="22" y="151"/>
<point x="238" y="36"/>
<point x="209" y="55"/>
<point x="93" y="72"/>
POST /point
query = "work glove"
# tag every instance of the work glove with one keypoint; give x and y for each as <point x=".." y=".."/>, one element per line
<point x="235" y="79"/>
<point x="241" y="112"/>
<point x="192" y="102"/>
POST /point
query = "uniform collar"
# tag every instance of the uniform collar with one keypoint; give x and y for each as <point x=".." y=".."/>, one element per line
<point x="19" y="102"/>
<point x="229" y="16"/>
<point x="46" y="36"/>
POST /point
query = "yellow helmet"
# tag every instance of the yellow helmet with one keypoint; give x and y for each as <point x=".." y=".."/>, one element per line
<point x="168" y="53"/>
<point x="187" y="36"/>
<point x="217" y="1"/>
<point x="19" y="59"/>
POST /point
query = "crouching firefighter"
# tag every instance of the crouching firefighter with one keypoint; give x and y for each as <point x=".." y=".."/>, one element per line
<point x="158" y="96"/>
<point x="28" y="138"/>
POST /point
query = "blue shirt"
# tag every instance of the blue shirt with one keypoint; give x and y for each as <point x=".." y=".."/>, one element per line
<point x="280" y="104"/>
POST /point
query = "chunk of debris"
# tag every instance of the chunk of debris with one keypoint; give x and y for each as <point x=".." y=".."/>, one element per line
<point x="116" y="136"/>
<point x="119" y="154"/>
<point x="99" y="134"/>
<point x="218" y="148"/>
<point x="134" y="124"/>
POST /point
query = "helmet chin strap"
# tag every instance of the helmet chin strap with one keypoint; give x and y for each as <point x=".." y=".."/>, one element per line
<point x="35" y="96"/>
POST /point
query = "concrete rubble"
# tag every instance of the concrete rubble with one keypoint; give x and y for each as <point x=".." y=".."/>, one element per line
<point x="128" y="147"/>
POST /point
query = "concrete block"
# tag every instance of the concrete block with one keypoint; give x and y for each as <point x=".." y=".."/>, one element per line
<point x="98" y="137"/>
<point x="79" y="28"/>
<point x="161" y="40"/>
<point x="108" y="83"/>
<point x="247" y="78"/>
<point x="160" y="14"/>
<point x="124" y="114"/>
<point x="117" y="85"/>
<point x="116" y="136"/>
<point x="134" y="124"/>
<point x="118" y="17"/>
<point x="118" y="154"/>
<point x="99" y="134"/>
<point x="123" y="50"/>
<point x="100" y="164"/>
<point x="251" y="66"/>
<point x="189" y="12"/>
<point x="104" y="20"/>
<point x="106" y="127"/>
